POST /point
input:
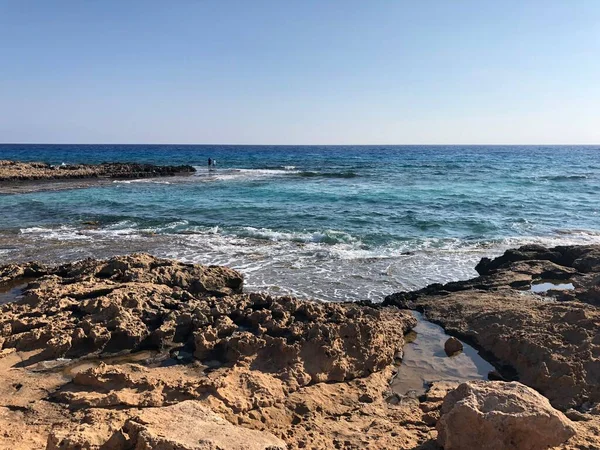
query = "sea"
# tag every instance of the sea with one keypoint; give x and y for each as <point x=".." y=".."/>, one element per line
<point x="332" y="223"/>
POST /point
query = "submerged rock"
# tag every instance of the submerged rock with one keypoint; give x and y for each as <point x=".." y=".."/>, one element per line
<point x="500" y="416"/>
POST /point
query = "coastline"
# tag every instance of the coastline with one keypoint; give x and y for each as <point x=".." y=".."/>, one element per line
<point x="299" y="373"/>
<point x="22" y="177"/>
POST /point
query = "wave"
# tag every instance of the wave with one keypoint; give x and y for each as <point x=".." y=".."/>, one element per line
<point x="241" y="174"/>
<point x="335" y="243"/>
<point x="563" y="177"/>
<point x="66" y="233"/>
<point x="326" y="237"/>
<point x="143" y="180"/>
<point x="312" y="174"/>
<point x="328" y="264"/>
<point x="280" y="171"/>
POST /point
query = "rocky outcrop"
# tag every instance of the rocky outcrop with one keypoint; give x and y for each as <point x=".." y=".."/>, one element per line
<point x="152" y="351"/>
<point x="500" y="416"/>
<point x="304" y="371"/>
<point x="140" y="302"/>
<point x="550" y="345"/>
<point x="22" y="171"/>
<point x="126" y="303"/>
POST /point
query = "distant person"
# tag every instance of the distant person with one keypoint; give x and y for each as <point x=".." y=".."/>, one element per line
<point x="214" y="163"/>
<point x="209" y="162"/>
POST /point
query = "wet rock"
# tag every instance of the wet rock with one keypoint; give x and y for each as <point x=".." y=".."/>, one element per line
<point x="453" y="346"/>
<point x="500" y="416"/>
<point x="524" y="253"/>
<point x="494" y="375"/>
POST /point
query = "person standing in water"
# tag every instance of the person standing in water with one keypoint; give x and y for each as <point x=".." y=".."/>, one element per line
<point x="209" y="162"/>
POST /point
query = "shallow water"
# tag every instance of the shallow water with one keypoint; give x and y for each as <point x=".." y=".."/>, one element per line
<point x="545" y="286"/>
<point x="71" y="367"/>
<point x="425" y="361"/>
<point x="13" y="291"/>
<point x="336" y="223"/>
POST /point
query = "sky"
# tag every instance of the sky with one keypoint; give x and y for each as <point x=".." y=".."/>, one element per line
<point x="300" y="72"/>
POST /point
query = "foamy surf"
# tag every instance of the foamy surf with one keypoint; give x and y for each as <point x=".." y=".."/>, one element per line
<point x="240" y="174"/>
<point x="307" y="264"/>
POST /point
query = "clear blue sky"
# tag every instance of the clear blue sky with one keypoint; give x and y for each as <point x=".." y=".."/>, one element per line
<point x="300" y="72"/>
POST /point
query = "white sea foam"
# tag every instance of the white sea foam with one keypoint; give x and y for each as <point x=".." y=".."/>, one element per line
<point x="61" y="233"/>
<point x="327" y="236"/>
<point x="299" y="263"/>
<point x="234" y="174"/>
<point x="142" y="180"/>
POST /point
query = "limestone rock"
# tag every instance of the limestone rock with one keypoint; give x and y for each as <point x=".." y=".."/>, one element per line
<point x="190" y="426"/>
<point x="500" y="416"/>
<point x="139" y="302"/>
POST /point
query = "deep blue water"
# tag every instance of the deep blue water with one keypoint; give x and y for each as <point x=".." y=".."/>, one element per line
<point x="331" y="222"/>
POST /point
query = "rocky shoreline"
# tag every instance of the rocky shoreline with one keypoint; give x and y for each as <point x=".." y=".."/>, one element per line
<point x="140" y="352"/>
<point x="15" y="174"/>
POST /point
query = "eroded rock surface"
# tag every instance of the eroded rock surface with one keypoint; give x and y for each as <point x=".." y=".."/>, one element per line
<point x="500" y="416"/>
<point x="187" y="425"/>
<point x="143" y="335"/>
<point x="303" y="371"/>
<point x="141" y="302"/>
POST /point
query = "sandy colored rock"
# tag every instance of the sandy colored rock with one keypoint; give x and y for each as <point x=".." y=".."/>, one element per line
<point x="140" y="302"/>
<point x="91" y="346"/>
<point x="314" y="375"/>
<point x="500" y="416"/>
<point x="188" y="425"/>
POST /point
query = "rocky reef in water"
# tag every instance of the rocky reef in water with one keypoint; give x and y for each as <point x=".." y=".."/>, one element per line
<point x="15" y="171"/>
<point x="140" y="352"/>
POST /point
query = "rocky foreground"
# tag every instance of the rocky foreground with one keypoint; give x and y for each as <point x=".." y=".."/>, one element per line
<point x="15" y="171"/>
<point x="137" y="352"/>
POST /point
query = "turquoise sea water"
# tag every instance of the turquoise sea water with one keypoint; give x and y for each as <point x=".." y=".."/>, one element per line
<point x="325" y="222"/>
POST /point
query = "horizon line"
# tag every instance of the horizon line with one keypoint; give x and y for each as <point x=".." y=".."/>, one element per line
<point x="303" y="145"/>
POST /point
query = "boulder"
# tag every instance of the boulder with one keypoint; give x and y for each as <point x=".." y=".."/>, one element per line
<point x="453" y="346"/>
<point x="500" y="416"/>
